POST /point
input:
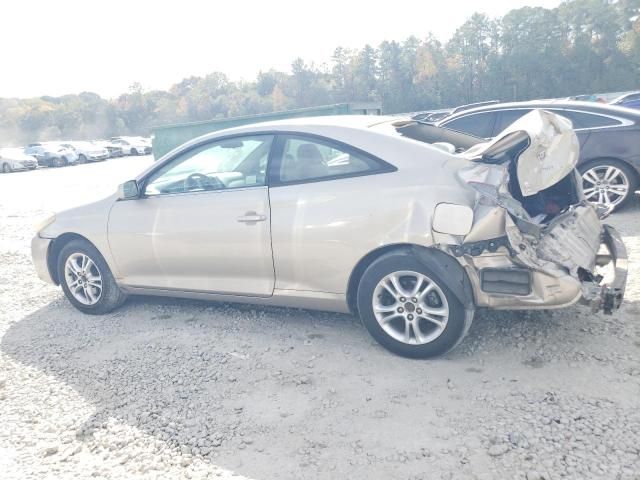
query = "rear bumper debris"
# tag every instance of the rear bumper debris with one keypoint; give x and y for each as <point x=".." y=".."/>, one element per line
<point x="608" y="296"/>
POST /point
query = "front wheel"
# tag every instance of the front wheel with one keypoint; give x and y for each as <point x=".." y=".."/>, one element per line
<point x="82" y="159"/>
<point x="408" y="309"/>
<point x="608" y="182"/>
<point x="57" y="162"/>
<point x="87" y="280"/>
<point x="6" y="168"/>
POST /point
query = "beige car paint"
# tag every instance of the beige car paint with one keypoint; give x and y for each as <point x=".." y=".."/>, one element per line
<point x="319" y="231"/>
<point x="225" y="253"/>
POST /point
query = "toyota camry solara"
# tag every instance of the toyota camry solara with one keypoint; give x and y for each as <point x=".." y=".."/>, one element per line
<point x="410" y="226"/>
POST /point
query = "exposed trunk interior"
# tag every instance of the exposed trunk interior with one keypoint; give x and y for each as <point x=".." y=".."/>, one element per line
<point x="545" y="205"/>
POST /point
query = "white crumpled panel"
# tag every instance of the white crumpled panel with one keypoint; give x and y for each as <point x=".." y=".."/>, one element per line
<point x="553" y="152"/>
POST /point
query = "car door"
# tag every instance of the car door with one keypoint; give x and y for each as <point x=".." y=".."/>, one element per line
<point x="202" y="222"/>
<point x="318" y="217"/>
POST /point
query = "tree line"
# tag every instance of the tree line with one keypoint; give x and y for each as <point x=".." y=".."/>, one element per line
<point x="582" y="46"/>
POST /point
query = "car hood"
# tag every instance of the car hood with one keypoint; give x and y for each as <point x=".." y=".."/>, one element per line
<point x="543" y="144"/>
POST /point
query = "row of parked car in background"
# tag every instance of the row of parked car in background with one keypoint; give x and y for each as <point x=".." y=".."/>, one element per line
<point x="64" y="153"/>
<point x="609" y="135"/>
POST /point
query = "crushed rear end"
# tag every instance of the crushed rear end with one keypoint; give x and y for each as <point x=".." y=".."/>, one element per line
<point x="530" y="239"/>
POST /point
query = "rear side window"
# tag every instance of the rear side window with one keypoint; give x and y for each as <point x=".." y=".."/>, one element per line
<point x="478" y="124"/>
<point x="588" y="120"/>
<point x="309" y="159"/>
<point x="507" y="117"/>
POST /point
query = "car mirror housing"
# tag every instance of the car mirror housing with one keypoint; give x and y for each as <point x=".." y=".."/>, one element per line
<point x="128" y="190"/>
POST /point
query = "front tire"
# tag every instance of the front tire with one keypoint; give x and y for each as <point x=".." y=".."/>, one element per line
<point x="87" y="280"/>
<point x="6" y="168"/>
<point x="82" y="159"/>
<point x="57" y="162"/>
<point x="408" y="309"/>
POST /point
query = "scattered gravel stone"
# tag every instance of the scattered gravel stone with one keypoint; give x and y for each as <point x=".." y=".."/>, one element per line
<point x="498" y="449"/>
<point x="175" y="389"/>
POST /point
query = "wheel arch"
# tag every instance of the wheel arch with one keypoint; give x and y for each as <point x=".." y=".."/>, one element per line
<point x="56" y="247"/>
<point x="446" y="266"/>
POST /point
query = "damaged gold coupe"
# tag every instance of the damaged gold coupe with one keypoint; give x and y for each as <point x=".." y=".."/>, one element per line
<point x="408" y="225"/>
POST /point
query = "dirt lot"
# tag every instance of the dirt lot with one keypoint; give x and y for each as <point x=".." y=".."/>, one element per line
<point x="175" y="389"/>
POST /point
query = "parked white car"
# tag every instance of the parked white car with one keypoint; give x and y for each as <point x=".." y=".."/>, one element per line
<point x="87" y="151"/>
<point x="114" y="150"/>
<point x="132" y="145"/>
<point x="13" y="159"/>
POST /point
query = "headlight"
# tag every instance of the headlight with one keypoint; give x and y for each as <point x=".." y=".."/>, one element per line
<point x="45" y="223"/>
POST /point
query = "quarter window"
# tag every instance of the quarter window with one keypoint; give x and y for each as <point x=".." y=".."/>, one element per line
<point x="230" y="163"/>
<point x="588" y="120"/>
<point x="305" y="159"/>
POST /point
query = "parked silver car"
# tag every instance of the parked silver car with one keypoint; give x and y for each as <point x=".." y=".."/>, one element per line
<point x="87" y="151"/>
<point x="411" y="226"/>
<point x="14" y="159"/>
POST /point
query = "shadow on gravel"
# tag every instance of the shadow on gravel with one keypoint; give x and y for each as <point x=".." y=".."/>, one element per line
<point x="271" y="392"/>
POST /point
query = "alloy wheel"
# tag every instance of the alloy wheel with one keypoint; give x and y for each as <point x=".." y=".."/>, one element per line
<point x="410" y="307"/>
<point x="83" y="278"/>
<point x="606" y="185"/>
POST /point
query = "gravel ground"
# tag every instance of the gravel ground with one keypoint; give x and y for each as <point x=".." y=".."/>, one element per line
<point x="179" y="389"/>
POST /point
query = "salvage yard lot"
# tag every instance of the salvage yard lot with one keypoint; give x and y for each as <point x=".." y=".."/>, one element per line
<point x="180" y="389"/>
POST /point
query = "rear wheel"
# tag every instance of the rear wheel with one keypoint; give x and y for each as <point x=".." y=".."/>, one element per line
<point x="87" y="280"/>
<point x="608" y="182"/>
<point x="6" y="168"/>
<point x="82" y="159"/>
<point x="408" y="309"/>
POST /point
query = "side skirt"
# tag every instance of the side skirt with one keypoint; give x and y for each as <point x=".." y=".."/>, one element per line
<point x="331" y="302"/>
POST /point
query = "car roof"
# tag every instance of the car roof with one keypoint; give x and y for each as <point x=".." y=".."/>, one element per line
<point x="348" y="121"/>
<point x="594" y="107"/>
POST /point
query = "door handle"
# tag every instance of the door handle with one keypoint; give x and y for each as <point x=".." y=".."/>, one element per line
<point x="252" y="217"/>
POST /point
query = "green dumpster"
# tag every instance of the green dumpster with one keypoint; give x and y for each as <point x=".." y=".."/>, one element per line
<point x="167" y="137"/>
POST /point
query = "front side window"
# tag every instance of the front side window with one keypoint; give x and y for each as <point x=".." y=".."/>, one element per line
<point x="232" y="163"/>
<point x="305" y="159"/>
<point x="478" y="124"/>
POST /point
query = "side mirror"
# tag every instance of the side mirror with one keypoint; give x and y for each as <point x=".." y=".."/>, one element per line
<point x="128" y="190"/>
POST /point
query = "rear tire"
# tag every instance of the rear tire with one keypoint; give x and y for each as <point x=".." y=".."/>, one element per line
<point x="86" y="279"/>
<point x="408" y="309"/>
<point x="609" y="182"/>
